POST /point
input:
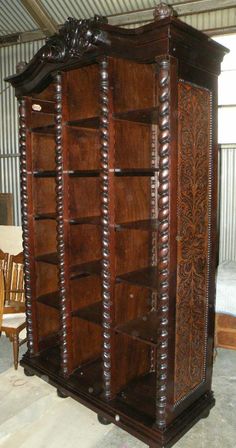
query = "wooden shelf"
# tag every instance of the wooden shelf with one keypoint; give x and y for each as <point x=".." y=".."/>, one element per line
<point x="71" y="173"/>
<point x="49" y="356"/>
<point x="149" y="116"/>
<point x="51" y="258"/>
<point x="88" y="378"/>
<point x="50" y="104"/>
<point x="147" y="277"/>
<point x="45" y="173"/>
<point x="145" y="328"/>
<point x="145" y="224"/>
<point x="43" y="216"/>
<point x="94" y="220"/>
<point x="89" y="123"/>
<point x="86" y="269"/>
<point x="91" y="313"/>
<point x="51" y="299"/>
<point x="120" y="172"/>
<point x="84" y="173"/>
<point x="138" y="394"/>
<point x="49" y="129"/>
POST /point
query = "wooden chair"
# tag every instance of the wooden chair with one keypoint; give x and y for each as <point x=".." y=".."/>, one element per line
<point x="12" y="300"/>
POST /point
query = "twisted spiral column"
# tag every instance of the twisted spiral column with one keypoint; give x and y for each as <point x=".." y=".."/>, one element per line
<point x="60" y="224"/>
<point x="153" y="254"/>
<point x="106" y="266"/>
<point x="25" y="226"/>
<point x="163" y="241"/>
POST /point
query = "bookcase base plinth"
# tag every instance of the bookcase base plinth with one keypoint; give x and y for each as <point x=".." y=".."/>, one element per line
<point x="114" y="412"/>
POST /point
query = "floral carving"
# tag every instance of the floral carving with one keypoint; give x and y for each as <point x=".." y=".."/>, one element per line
<point x="73" y="39"/>
<point x="194" y="189"/>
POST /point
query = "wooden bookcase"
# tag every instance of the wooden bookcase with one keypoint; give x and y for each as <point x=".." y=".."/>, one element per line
<point x="118" y="175"/>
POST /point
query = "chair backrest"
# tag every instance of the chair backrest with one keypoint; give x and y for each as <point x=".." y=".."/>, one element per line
<point x="2" y="293"/>
<point x="15" y="285"/>
<point x="5" y="265"/>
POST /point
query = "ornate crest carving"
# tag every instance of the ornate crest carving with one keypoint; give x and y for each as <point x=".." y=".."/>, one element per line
<point x="73" y="39"/>
<point x="162" y="11"/>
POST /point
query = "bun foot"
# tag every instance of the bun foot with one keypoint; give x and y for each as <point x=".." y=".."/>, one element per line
<point x="103" y="420"/>
<point x="28" y="373"/>
<point x="206" y="414"/>
<point x="61" y="394"/>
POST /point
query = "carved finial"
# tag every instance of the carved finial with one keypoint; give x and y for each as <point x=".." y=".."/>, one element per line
<point x="163" y="10"/>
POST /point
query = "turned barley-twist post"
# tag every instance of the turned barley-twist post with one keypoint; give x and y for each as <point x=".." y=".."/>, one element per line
<point x="25" y="225"/>
<point x="60" y="224"/>
<point x="106" y="274"/>
<point x="163" y="241"/>
<point x="153" y="257"/>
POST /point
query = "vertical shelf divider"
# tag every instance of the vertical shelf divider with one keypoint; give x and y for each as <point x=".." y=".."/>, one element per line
<point x="61" y="209"/>
<point x="25" y="148"/>
<point x="107" y="216"/>
<point x="163" y="239"/>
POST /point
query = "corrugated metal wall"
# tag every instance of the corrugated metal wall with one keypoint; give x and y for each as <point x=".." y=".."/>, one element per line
<point x="227" y="249"/>
<point x="9" y="155"/>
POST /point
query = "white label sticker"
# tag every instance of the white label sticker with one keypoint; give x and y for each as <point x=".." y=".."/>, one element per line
<point x="36" y="107"/>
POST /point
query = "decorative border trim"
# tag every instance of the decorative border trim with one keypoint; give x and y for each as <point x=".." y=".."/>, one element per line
<point x="25" y="225"/>
<point x="163" y="241"/>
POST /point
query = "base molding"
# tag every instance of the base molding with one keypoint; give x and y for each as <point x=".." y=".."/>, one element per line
<point x="110" y="412"/>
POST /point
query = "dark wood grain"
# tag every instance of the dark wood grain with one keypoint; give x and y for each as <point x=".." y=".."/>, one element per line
<point x="147" y="277"/>
<point x="129" y="81"/>
<point x="121" y="331"/>
<point x="43" y="152"/>
<point x="46" y="278"/>
<point x="48" y="320"/>
<point x="51" y="299"/>
<point x="85" y="79"/>
<point x="145" y="328"/>
<point x="80" y="142"/>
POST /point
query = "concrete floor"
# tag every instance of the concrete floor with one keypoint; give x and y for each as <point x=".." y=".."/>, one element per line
<point x="32" y="416"/>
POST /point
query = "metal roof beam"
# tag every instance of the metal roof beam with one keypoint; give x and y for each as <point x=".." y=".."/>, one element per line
<point x="41" y="17"/>
<point x="183" y="9"/>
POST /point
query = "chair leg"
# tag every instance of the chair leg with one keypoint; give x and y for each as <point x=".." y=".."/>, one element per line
<point x="16" y="350"/>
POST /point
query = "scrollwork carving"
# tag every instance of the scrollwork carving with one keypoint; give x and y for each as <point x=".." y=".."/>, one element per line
<point x="194" y="192"/>
<point x="73" y="39"/>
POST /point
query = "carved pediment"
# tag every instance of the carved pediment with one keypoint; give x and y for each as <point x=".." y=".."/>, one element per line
<point x="73" y="39"/>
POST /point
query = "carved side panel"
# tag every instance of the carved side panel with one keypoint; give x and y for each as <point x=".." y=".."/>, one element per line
<point x="193" y="251"/>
